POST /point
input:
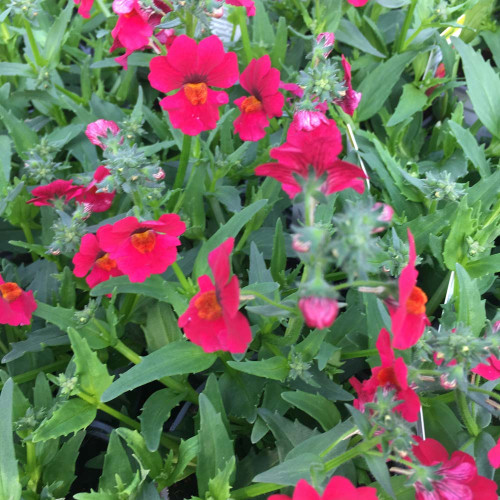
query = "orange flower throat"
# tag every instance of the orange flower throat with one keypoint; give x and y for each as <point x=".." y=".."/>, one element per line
<point x="196" y="93"/>
<point x="10" y="291"/>
<point x="207" y="306"/>
<point x="144" y="241"/>
<point x="105" y="263"/>
<point x="251" y="104"/>
<point x="387" y="377"/>
<point x="416" y="301"/>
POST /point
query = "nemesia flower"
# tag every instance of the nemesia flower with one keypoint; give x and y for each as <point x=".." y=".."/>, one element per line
<point x="329" y="41"/>
<point x="194" y="68"/>
<point x="358" y="3"/>
<point x="101" y="128"/>
<point x="308" y="120"/>
<point x="317" y="149"/>
<point x="16" y="305"/>
<point x="85" y="6"/>
<point x="458" y="474"/>
<point x="212" y="319"/>
<point x="440" y="73"/>
<point x="319" y="312"/>
<point x="92" y="200"/>
<point x="494" y="455"/>
<point x="338" y="488"/>
<point x="91" y="257"/>
<point x="385" y="216"/>
<point x="351" y="100"/>
<point x="248" y="4"/>
<point x="391" y="375"/>
<point x="491" y="369"/>
<point x="44" y="196"/>
<point x="293" y="88"/>
<point x="166" y="37"/>
<point x="264" y="102"/>
<point x="408" y="318"/>
<point x="141" y="249"/>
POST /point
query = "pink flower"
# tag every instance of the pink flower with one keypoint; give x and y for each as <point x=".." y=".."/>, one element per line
<point x="309" y="120"/>
<point x="329" y="41"/>
<point x="494" y="455"/>
<point x="56" y="190"/>
<point x="92" y="258"/>
<point x="317" y="149"/>
<point x="166" y="37"/>
<point x="358" y="3"/>
<point x="489" y="370"/>
<point x="85" y="6"/>
<point x="265" y="101"/>
<point x="392" y="375"/>
<point x="385" y="216"/>
<point x="351" y="100"/>
<point x="16" y="305"/>
<point x="459" y="477"/>
<point x="92" y="200"/>
<point x="293" y="88"/>
<point x="338" y="488"/>
<point x="193" y="68"/>
<point x="101" y="128"/>
<point x="408" y="318"/>
<point x="141" y="249"/>
<point x="319" y="312"/>
<point x="248" y="4"/>
<point x="212" y="319"/>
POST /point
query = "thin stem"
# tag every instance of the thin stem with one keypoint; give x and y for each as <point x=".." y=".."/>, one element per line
<point x="339" y="440"/>
<point x="103" y="8"/>
<point x="182" y="278"/>
<point x="492" y="394"/>
<point x="183" y="162"/>
<point x="268" y="300"/>
<point x="470" y="423"/>
<point x="32" y="466"/>
<point x="254" y="490"/>
<point x="438" y="295"/>
<point x="406" y="26"/>
<point x="32" y="374"/>
<point x="359" y="449"/>
<point x="127" y="352"/>
<point x="359" y="283"/>
<point x="245" y="38"/>
<point x="363" y="353"/>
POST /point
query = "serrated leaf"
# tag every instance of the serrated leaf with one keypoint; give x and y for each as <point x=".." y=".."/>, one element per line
<point x="276" y="368"/>
<point x="220" y="485"/>
<point x="72" y="416"/>
<point x="188" y="450"/>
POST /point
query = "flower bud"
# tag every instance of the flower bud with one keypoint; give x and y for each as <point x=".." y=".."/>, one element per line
<point x="384" y="216"/>
<point x="299" y="245"/>
<point x="328" y="41"/>
<point x="319" y="312"/>
<point x="309" y="120"/>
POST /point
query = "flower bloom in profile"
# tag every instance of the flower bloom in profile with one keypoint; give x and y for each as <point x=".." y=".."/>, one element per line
<point x="95" y="261"/>
<point x="193" y="69"/>
<point x="328" y="40"/>
<point x="265" y="101"/>
<point x="392" y="375"/>
<point x="408" y="318"/>
<point x="135" y="26"/>
<point x="308" y="120"/>
<point x="319" y="312"/>
<point x="494" y="455"/>
<point x="141" y="249"/>
<point x="318" y="150"/>
<point x="351" y="100"/>
<point x="101" y="128"/>
<point x="212" y="319"/>
<point x="16" y="305"/>
<point x="338" y="488"/>
<point x="457" y="475"/>
<point x="57" y="191"/>
<point x="92" y="200"/>
<point x="84" y="8"/>
<point x="248" y="4"/>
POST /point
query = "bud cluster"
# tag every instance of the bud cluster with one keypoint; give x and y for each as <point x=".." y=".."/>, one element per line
<point x="40" y="166"/>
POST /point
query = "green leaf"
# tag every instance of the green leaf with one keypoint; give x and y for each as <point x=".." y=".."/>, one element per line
<point x="16" y="69"/>
<point x="487" y="265"/>
<point x="378" y="468"/>
<point x="280" y="44"/>
<point x="93" y="376"/>
<point x="220" y="486"/>
<point x="261" y="26"/>
<point x="115" y="462"/>
<point x="483" y="86"/>
<point x="482" y="445"/>
<point x="188" y="450"/>
<point x="24" y="138"/>
<point x="278" y="258"/>
<point x="349" y="34"/>
<point x="216" y="448"/>
<point x="411" y="101"/>
<point x="155" y="413"/>
<point x="56" y="35"/>
<point x="161" y="326"/>
<point x="276" y="368"/>
<point x="5" y="161"/>
<point x="316" y="406"/>
<point x="228" y="230"/>
<point x="10" y="487"/>
<point x="470" y="307"/>
<point x="376" y="87"/>
<point x="72" y="416"/>
<point x="62" y="135"/>
<point x="177" y="358"/>
<point x="455" y="246"/>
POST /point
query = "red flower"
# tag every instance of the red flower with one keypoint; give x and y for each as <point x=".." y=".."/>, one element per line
<point x="193" y="68"/>
<point x="494" y="455"/>
<point x="212" y="319"/>
<point x="440" y="73"/>
<point x="408" y="317"/>
<point x="92" y="258"/>
<point x="308" y="120"/>
<point x="166" y="37"/>
<point x="141" y="249"/>
<point x="264" y="102"/>
<point x="317" y="149"/>
<point x="85" y="6"/>
<point x="293" y="88"/>
<point x="91" y="199"/>
<point x="319" y="312"/>
<point x="329" y="41"/>
<point x="392" y="375"/>
<point x="459" y="477"/>
<point x="60" y="189"/>
<point x="338" y="488"/>
<point x="248" y="4"/>
<point x="351" y="100"/>
<point x="489" y="370"/>
<point x="101" y="128"/>
<point x="358" y="3"/>
<point x="16" y="305"/>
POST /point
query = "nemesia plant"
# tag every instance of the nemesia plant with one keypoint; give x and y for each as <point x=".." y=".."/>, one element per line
<point x="249" y="250"/>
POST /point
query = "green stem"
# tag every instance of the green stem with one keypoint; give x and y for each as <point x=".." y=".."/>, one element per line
<point x="245" y="38"/>
<point x="32" y="374"/>
<point x="339" y="440"/>
<point x="40" y="61"/>
<point x="493" y="217"/>
<point x="406" y="26"/>
<point x="127" y="352"/>
<point x="269" y="301"/>
<point x="492" y="394"/>
<point x="103" y="8"/>
<point x="182" y="278"/>
<point x="254" y="490"/>
<point x="190" y="22"/>
<point x="359" y="449"/>
<point x="32" y="466"/>
<point x="359" y="283"/>
<point x="470" y="423"/>
<point x="183" y="162"/>
<point x="364" y="353"/>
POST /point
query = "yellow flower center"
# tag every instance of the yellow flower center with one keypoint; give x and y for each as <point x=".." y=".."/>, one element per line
<point x="196" y="93"/>
<point x="10" y="291"/>
<point x="207" y="306"/>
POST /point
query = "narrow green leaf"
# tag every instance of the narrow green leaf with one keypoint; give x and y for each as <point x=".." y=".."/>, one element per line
<point x="316" y="406"/>
<point x="349" y="34"/>
<point x="470" y="307"/>
<point x="161" y="326"/>
<point x="56" y="35"/>
<point x="280" y="44"/>
<point x="487" y="265"/>
<point x="291" y="471"/>
<point x="276" y="368"/>
<point x="455" y="246"/>
<point x="24" y="138"/>
<point x="115" y="462"/>
<point x="378" y="468"/>
<point x="411" y="101"/>
<point x="262" y="28"/>
<point x="16" y="69"/>
<point x="278" y="258"/>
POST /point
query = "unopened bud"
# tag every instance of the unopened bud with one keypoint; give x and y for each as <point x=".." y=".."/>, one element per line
<point x="319" y="312"/>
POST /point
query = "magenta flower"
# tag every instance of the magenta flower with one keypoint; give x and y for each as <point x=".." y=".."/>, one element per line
<point x="212" y="319"/>
<point x="248" y="4"/>
<point x="351" y="100"/>
<point x="16" y="305"/>
<point x="44" y="196"/>
<point x="494" y="455"/>
<point x="308" y="120"/>
<point x="265" y="101"/>
<point x="193" y="69"/>
<point x="101" y="128"/>
<point x="92" y="200"/>
<point x="319" y="312"/>
<point x="85" y="6"/>
<point x="329" y="41"/>
<point x="358" y="3"/>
